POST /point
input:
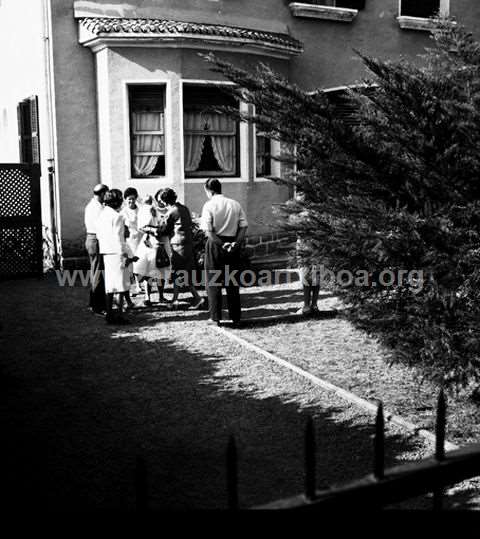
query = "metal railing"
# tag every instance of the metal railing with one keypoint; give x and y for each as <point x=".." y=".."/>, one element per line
<point x="383" y="487"/>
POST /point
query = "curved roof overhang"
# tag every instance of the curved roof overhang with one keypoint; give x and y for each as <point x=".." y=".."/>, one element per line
<point x="99" y="33"/>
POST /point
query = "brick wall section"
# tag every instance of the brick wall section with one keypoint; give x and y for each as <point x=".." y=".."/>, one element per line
<point x="271" y="249"/>
<point x="268" y="251"/>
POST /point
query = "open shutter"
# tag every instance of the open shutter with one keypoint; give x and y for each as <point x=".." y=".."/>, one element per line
<point x="34" y="129"/>
<point x="344" y="109"/>
<point x="28" y="130"/>
<point x="24" y="132"/>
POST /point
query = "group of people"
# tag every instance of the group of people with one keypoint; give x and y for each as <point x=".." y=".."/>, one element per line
<point x="132" y="244"/>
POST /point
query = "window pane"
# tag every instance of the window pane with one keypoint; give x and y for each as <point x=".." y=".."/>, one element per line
<point x="210" y="137"/>
<point x="352" y="4"/>
<point x="263" y="159"/>
<point x="420" y="8"/>
<point x="147" y="130"/>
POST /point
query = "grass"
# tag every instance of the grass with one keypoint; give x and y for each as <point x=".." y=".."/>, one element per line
<point x="333" y="349"/>
<point x="80" y="400"/>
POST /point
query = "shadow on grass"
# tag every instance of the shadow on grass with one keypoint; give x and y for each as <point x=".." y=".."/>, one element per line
<point x="81" y="401"/>
<point x="254" y="312"/>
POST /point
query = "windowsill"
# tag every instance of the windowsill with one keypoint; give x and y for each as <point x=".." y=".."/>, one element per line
<point x="315" y="11"/>
<point x="141" y="178"/>
<point x="222" y="180"/>
<point x="416" y="23"/>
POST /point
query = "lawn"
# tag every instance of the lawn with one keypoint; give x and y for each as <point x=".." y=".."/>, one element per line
<point x="333" y="349"/>
<point x="81" y="400"/>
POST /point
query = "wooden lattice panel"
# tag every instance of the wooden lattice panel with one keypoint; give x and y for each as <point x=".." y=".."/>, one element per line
<point x="20" y="221"/>
<point x="15" y="193"/>
<point x="18" y="253"/>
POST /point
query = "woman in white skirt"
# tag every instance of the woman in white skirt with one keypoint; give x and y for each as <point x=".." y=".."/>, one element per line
<point x="130" y="215"/>
<point x="150" y="220"/>
<point x="111" y="239"/>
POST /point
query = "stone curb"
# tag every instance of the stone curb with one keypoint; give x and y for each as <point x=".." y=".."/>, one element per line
<point x="347" y="395"/>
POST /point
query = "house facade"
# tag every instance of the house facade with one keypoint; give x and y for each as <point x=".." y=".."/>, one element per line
<point x="119" y="92"/>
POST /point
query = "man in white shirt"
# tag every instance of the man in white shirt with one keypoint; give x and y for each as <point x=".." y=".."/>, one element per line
<point x="225" y="224"/>
<point x="92" y="213"/>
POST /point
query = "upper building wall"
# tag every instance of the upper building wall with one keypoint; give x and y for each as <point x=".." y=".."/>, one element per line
<point x="269" y="15"/>
<point x="329" y="58"/>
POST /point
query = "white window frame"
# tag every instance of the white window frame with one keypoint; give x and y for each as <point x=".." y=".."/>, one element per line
<point x="407" y="22"/>
<point x="243" y="138"/>
<point x="318" y="11"/>
<point x="167" y="128"/>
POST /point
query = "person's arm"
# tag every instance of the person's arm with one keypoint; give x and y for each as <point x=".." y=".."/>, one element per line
<point x="167" y="226"/>
<point x="119" y="234"/>
<point x="213" y="237"/>
<point x="241" y="231"/>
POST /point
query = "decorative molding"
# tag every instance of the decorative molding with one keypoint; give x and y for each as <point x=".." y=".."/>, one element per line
<point x="417" y="23"/>
<point x="100" y="33"/>
<point x="315" y="11"/>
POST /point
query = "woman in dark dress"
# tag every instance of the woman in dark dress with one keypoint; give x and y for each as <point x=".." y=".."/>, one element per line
<point x="178" y="226"/>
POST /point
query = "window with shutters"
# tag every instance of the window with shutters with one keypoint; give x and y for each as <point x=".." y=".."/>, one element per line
<point x="28" y="130"/>
<point x="211" y="137"/>
<point x="419" y="8"/>
<point x="147" y="131"/>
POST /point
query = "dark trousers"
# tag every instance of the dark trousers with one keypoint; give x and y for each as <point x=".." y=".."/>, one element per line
<point x="216" y="262"/>
<point x="97" y="290"/>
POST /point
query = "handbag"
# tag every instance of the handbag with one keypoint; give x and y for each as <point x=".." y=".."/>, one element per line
<point x="162" y="259"/>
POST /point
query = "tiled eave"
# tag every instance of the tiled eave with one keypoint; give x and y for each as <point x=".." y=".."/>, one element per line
<point x="99" y="33"/>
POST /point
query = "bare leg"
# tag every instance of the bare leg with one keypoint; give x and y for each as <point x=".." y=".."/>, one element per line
<point x="137" y="283"/>
<point x="121" y="295"/>
<point x="147" y="289"/>
<point x="176" y="291"/>
<point x="195" y="294"/>
<point x="128" y="299"/>
<point x="161" y="289"/>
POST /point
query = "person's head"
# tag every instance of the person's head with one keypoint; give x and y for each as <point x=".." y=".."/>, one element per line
<point x="213" y="187"/>
<point x="99" y="191"/>
<point x="113" y="199"/>
<point x="158" y="199"/>
<point x="166" y="196"/>
<point x="130" y="195"/>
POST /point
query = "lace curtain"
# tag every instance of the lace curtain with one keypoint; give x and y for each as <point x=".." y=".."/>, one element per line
<point x="148" y="141"/>
<point x="221" y="130"/>
<point x="192" y="123"/>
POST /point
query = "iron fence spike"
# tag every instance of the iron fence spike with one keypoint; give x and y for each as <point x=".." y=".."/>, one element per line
<point x="310" y="459"/>
<point x="440" y="426"/>
<point x="379" y="444"/>
<point x="232" y="473"/>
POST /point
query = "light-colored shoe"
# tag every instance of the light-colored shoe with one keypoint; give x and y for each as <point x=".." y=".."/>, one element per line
<point x="305" y="311"/>
<point x="198" y="306"/>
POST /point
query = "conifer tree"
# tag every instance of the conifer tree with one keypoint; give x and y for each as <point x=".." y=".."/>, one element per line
<point x="394" y="187"/>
